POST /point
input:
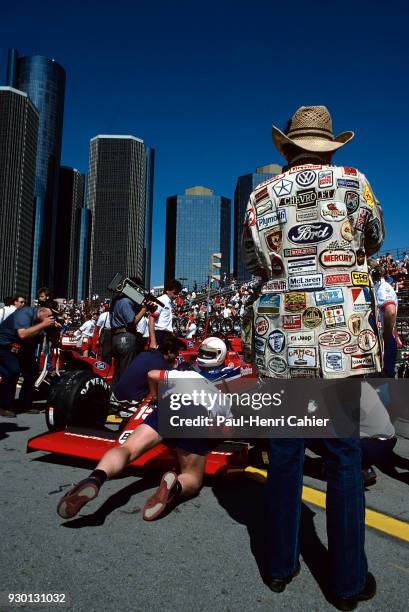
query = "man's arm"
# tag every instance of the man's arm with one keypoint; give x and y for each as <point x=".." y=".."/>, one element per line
<point x="153" y="344"/>
<point x="389" y="315"/>
<point x="154" y="378"/>
<point x="30" y="332"/>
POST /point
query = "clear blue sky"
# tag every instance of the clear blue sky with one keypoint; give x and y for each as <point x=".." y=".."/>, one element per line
<point x="202" y="82"/>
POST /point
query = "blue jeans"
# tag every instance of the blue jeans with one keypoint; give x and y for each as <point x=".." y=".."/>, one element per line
<point x="345" y="512"/>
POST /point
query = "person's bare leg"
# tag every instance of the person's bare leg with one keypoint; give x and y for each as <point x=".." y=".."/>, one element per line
<point x="191" y="472"/>
<point x="115" y="460"/>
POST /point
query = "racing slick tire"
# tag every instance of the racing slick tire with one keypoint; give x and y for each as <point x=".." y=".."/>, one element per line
<point x="77" y="398"/>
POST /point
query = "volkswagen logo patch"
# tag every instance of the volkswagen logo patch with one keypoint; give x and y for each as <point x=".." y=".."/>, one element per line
<point x="306" y="178"/>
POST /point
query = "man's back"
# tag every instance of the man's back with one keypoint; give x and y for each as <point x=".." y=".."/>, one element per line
<point x="310" y="229"/>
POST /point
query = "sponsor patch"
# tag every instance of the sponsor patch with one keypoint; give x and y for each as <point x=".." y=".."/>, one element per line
<point x="360" y="278"/>
<point x="336" y="337"/>
<point x="347" y="231"/>
<point x="295" y="302"/>
<point x="373" y="233"/>
<point x="274" y="239"/>
<point x="311" y="214"/>
<point x="366" y="340"/>
<point x="306" y="178"/>
<point x="305" y="198"/>
<point x="368" y="196"/>
<point x="259" y="345"/>
<point x="341" y="245"/>
<point x="278" y="365"/>
<point x="305" y="281"/>
<point x="262" y="194"/>
<point x="363" y="217"/>
<point x="348" y="171"/>
<point x="274" y="218"/>
<point x="291" y="321"/>
<point x="361" y="299"/>
<point x="348" y="183"/>
<point x="301" y="265"/>
<point x="259" y="362"/>
<point x="310" y="232"/>
<point x="355" y="324"/>
<point x="360" y="362"/>
<point x="276" y="341"/>
<point x="264" y="207"/>
<point x="338" y="279"/>
<point x="333" y="361"/>
<point x="269" y="304"/>
<point x="325" y="178"/>
<point x="360" y="257"/>
<point x="305" y="167"/>
<point x="302" y="338"/>
<point x="333" y="211"/>
<point x="351" y="201"/>
<point x="337" y="258"/>
<point x="312" y="317"/>
<point x="310" y="250"/>
<point x="277" y="266"/>
<point x="334" y="316"/>
<point x="351" y="348"/>
<point x="261" y="326"/>
<point x="283" y="187"/>
<point x="302" y="356"/>
<point x="329" y="296"/>
<point x="303" y="373"/>
<point x="274" y="286"/>
<point x="250" y="217"/>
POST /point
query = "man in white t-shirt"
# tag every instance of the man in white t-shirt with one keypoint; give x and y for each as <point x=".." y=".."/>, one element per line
<point x="387" y="301"/>
<point x="104" y="328"/>
<point x="162" y="318"/>
<point x="86" y="331"/>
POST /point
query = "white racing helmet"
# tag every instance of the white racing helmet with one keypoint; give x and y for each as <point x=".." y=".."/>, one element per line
<point x="212" y="353"/>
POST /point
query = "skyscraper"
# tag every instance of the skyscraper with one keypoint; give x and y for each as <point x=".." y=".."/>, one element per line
<point x="197" y="225"/>
<point x="70" y="203"/>
<point x="150" y="167"/>
<point x="43" y="80"/>
<point x="116" y="199"/>
<point x="244" y="186"/>
<point x="18" y="146"/>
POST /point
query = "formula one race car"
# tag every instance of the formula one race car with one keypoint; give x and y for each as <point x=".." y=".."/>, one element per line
<point x="78" y="409"/>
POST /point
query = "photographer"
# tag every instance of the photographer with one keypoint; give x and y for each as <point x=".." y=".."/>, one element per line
<point x="127" y="342"/>
<point x="18" y="339"/>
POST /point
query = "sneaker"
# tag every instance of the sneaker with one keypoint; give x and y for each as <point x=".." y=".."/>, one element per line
<point x="160" y="500"/>
<point x="77" y="497"/>
<point x="7" y="413"/>
<point x="350" y="603"/>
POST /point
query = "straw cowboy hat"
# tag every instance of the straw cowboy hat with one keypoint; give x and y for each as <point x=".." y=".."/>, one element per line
<point x="310" y="129"/>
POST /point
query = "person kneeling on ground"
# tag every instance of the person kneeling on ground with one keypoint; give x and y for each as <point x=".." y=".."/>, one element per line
<point x="191" y="453"/>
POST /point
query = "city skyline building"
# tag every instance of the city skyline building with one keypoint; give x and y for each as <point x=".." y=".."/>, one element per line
<point x="197" y="225"/>
<point x="150" y="174"/>
<point x="244" y="186"/>
<point x="18" y="148"/>
<point x="43" y="79"/>
<point x="84" y="249"/>
<point x="70" y="204"/>
<point x="116" y="198"/>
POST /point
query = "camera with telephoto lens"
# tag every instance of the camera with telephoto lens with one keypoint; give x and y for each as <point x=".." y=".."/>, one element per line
<point x="135" y="292"/>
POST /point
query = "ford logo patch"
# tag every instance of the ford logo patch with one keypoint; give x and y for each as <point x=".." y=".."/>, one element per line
<point x="310" y="233"/>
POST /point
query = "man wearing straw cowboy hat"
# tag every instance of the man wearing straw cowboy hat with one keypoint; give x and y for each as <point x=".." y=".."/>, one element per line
<point x="307" y="234"/>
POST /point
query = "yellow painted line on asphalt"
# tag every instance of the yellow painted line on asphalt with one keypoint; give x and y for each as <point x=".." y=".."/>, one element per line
<point x="381" y="522"/>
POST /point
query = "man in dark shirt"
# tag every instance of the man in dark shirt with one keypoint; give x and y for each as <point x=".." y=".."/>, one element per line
<point x="18" y="339"/>
<point x="124" y="316"/>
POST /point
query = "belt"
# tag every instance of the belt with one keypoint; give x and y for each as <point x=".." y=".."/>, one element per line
<point x="119" y="330"/>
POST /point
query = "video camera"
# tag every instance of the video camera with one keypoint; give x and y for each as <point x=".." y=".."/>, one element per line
<point x="135" y="292"/>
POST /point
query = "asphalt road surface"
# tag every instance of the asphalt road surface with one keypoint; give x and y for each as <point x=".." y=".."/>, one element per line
<point x="204" y="556"/>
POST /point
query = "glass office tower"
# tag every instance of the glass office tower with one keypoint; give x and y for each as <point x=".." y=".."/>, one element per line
<point x="18" y="146"/>
<point x="197" y="225"/>
<point x="43" y="79"/>
<point x="150" y="167"/>
<point x="70" y="203"/>
<point x="244" y="186"/>
<point x="117" y="201"/>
